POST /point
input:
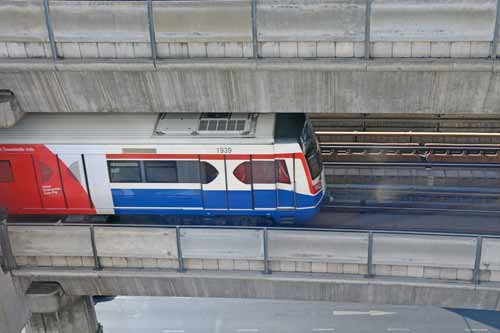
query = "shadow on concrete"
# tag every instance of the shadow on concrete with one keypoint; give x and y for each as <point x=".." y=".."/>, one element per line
<point x="486" y="317"/>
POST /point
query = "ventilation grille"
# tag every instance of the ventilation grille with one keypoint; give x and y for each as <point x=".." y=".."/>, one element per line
<point x="222" y="125"/>
<point x="207" y="124"/>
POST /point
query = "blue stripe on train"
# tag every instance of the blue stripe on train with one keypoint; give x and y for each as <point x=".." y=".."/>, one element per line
<point x="178" y="201"/>
<point x="212" y="199"/>
<point x="300" y="215"/>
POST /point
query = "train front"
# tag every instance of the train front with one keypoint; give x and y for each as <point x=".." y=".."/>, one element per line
<point x="316" y="177"/>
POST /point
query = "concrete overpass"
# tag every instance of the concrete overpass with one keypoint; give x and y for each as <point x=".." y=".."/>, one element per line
<point x="321" y="265"/>
<point x="249" y="56"/>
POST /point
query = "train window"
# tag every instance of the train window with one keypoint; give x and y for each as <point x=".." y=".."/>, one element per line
<point x="242" y="172"/>
<point x="124" y="171"/>
<point x="161" y="171"/>
<point x="6" y="175"/>
<point x="45" y="171"/>
<point x="311" y="150"/>
<point x="189" y="171"/>
<point x="208" y="172"/>
<point x="74" y="169"/>
<point x="262" y="172"/>
<point x="283" y="175"/>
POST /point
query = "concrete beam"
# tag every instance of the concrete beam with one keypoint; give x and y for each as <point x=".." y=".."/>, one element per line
<point x="277" y="286"/>
<point x="335" y="86"/>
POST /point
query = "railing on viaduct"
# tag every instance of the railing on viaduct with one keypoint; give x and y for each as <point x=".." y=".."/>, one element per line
<point x="158" y="29"/>
<point x="373" y="253"/>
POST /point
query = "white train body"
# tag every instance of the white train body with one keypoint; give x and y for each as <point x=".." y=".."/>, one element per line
<point x="173" y="164"/>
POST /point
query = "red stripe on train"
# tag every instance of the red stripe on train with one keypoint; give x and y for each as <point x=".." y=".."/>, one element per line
<point x="299" y="156"/>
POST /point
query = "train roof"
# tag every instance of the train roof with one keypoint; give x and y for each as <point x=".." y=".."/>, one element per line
<point x="143" y="128"/>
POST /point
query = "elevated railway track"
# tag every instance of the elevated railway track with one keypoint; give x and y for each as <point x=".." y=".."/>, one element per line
<point x="415" y="184"/>
<point x="419" y="173"/>
<point x="459" y="155"/>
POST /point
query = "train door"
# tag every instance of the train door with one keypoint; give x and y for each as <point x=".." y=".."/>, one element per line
<point x="285" y="183"/>
<point x="263" y="178"/>
<point x="74" y="181"/>
<point x="213" y="183"/>
<point x="18" y="184"/>
<point x="239" y="182"/>
<point x="48" y="170"/>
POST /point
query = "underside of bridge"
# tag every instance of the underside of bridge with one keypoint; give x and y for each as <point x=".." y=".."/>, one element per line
<point x="324" y="86"/>
<point x="328" y="56"/>
<point x="344" y="289"/>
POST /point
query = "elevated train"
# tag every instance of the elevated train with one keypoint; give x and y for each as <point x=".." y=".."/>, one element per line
<point x="219" y="165"/>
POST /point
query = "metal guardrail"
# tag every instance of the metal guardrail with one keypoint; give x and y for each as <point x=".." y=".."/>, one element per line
<point x="264" y="231"/>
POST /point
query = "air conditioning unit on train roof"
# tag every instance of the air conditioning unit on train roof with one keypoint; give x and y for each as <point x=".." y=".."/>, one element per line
<point x="207" y="124"/>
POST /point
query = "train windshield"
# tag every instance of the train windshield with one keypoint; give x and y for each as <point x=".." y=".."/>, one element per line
<point x="311" y="150"/>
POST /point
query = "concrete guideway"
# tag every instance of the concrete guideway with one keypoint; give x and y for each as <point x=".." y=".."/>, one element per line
<point x="278" y="286"/>
<point x="195" y="56"/>
<point x="410" y="268"/>
<point x="248" y="28"/>
<point x="263" y="85"/>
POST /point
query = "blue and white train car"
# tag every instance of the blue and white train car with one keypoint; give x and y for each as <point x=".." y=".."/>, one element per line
<point x="266" y="165"/>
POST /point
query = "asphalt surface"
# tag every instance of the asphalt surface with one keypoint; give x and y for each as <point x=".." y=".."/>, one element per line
<point x="212" y="315"/>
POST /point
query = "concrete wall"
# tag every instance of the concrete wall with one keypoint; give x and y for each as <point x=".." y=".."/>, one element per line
<point x="284" y="28"/>
<point x="351" y="86"/>
<point x="316" y="265"/>
<point x="397" y="255"/>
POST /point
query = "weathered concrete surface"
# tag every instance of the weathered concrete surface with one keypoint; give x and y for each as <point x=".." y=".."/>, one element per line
<point x="13" y="310"/>
<point x="430" y="251"/>
<point x="136" y="242"/>
<point x="225" y="250"/>
<point x="223" y="244"/>
<point x="318" y="246"/>
<point x="311" y="20"/>
<point x="78" y="316"/>
<point x="55" y="241"/>
<point x="223" y="29"/>
<point x="377" y="86"/>
<point x="276" y="286"/>
<point x="433" y="20"/>
<point x="10" y="111"/>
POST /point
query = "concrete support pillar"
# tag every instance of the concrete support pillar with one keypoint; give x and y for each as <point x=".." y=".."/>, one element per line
<point x="10" y="111"/>
<point x="13" y="309"/>
<point x="54" y="312"/>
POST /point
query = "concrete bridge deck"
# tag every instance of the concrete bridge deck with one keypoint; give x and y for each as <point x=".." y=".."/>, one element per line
<point x="348" y="56"/>
<point x="375" y="267"/>
<point x="247" y="85"/>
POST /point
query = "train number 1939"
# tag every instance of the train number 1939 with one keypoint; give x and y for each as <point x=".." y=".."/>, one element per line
<point x="224" y="150"/>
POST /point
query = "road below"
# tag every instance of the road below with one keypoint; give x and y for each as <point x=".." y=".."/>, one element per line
<point x="212" y="315"/>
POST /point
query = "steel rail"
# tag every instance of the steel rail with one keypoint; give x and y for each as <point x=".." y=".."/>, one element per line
<point x="415" y="164"/>
<point x="410" y="146"/>
<point x="403" y="209"/>
<point x="406" y="133"/>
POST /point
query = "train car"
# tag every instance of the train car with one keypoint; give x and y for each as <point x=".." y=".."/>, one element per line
<point x="261" y="165"/>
